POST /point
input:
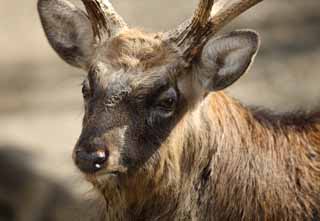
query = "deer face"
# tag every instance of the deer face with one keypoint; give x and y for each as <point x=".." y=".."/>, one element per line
<point x="138" y="85"/>
<point x="129" y="112"/>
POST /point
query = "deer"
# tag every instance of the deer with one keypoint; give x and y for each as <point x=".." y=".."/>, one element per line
<point x="162" y="140"/>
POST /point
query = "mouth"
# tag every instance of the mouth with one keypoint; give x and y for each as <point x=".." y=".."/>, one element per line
<point x="109" y="174"/>
<point x="108" y="177"/>
<point x="103" y="177"/>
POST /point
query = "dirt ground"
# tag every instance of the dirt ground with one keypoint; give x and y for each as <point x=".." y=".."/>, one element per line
<point x="40" y="99"/>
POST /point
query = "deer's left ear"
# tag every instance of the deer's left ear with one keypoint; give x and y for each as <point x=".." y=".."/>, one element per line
<point x="225" y="59"/>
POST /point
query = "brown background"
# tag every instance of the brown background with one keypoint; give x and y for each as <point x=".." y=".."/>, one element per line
<point x="40" y="99"/>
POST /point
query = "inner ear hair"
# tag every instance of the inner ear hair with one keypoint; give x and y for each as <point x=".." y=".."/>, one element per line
<point x="68" y="31"/>
<point x="226" y="58"/>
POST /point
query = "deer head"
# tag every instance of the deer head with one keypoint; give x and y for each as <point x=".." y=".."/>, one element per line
<point x="140" y="85"/>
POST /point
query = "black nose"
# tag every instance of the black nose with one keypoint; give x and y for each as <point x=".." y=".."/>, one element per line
<point x="90" y="162"/>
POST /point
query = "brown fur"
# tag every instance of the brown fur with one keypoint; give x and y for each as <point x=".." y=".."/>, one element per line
<point x="225" y="162"/>
<point x="216" y="161"/>
<point x="134" y="48"/>
<point x="262" y="167"/>
<point x="222" y="161"/>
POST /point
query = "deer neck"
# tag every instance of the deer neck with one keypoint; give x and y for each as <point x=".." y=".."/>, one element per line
<point x="236" y="159"/>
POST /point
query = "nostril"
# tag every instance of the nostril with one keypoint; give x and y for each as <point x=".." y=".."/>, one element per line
<point x="100" y="156"/>
<point x="91" y="162"/>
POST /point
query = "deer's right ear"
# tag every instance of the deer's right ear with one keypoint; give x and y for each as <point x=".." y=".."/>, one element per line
<point x="68" y="30"/>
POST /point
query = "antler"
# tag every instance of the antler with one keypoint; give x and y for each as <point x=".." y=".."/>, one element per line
<point x="209" y="17"/>
<point x="104" y="19"/>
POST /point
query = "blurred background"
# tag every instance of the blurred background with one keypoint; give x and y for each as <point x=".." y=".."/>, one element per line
<point x="40" y="95"/>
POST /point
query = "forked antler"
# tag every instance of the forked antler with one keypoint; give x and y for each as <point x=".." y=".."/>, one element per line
<point x="209" y="17"/>
<point x="104" y="19"/>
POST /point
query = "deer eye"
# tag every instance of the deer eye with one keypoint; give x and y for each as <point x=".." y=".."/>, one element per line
<point x="163" y="107"/>
<point x="86" y="92"/>
<point x="167" y="101"/>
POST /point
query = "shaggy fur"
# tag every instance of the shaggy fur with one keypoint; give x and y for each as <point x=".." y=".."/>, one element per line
<point x="226" y="162"/>
<point x="222" y="161"/>
<point x="205" y="157"/>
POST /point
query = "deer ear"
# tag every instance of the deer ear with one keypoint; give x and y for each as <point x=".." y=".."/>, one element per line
<point x="225" y="59"/>
<point x="68" y="30"/>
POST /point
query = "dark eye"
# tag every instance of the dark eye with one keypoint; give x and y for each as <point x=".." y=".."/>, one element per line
<point x="86" y="92"/>
<point x="163" y="107"/>
<point x="167" y="100"/>
<point x="167" y="104"/>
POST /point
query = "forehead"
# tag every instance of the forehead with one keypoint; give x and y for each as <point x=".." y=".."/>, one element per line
<point x="123" y="82"/>
<point x="134" y="49"/>
<point x="113" y="88"/>
<point x="135" y="59"/>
